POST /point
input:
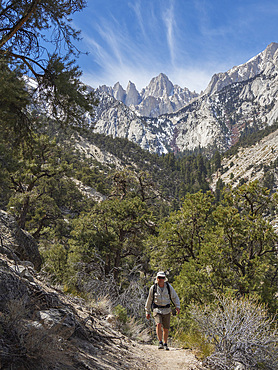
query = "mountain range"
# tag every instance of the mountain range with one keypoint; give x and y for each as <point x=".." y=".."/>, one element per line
<point x="159" y="97"/>
<point x="164" y="117"/>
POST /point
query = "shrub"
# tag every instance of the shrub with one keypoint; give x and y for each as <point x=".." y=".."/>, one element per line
<point x="137" y="330"/>
<point x="241" y="332"/>
<point x="185" y="333"/>
<point x="121" y="313"/>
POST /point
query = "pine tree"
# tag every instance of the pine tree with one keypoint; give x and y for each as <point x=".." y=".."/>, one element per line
<point x="26" y="26"/>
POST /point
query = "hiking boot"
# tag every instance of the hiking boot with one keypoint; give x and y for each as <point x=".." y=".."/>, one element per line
<point x="166" y="347"/>
<point x="160" y="346"/>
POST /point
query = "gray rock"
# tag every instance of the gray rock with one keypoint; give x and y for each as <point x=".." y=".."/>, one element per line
<point x="17" y="242"/>
<point x="60" y="321"/>
<point x="240" y="98"/>
<point x="23" y="271"/>
<point x="132" y="95"/>
<point x="159" y="97"/>
<point x="11" y="287"/>
<point x="264" y="61"/>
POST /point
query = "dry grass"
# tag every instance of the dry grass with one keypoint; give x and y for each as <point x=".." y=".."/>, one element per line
<point x="31" y="341"/>
<point x="241" y="332"/>
<point x="102" y="305"/>
<point x="137" y="330"/>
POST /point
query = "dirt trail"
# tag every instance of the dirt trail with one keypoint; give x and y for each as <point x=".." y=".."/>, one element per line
<point x="174" y="359"/>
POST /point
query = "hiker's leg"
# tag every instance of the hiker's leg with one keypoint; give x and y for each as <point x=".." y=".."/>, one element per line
<point x="166" y="326"/>
<point x="165" y="334"/>
<point x="159" y="332"/>
<point x="158" y="322"/>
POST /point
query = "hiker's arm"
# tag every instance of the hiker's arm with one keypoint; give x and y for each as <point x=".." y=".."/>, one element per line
<point x="175" y="299"/>
<point x="149" y="302"/>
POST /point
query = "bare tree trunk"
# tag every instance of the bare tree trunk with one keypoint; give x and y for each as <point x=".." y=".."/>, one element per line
<point x="24" y="211"/>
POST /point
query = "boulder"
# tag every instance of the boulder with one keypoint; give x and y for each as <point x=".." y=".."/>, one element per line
<point x="16" y="242"/>
<point x="11" y="287"/>
<point x="61" y="321"/>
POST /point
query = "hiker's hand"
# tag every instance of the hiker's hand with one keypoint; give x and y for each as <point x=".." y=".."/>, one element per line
<point x="148" y="316"/>
<point x="178" y="311"/>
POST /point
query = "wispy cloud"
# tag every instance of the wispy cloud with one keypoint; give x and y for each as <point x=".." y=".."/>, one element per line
<point x="139" y="67"/>
<point x="193" y="78"/>
<point x="160" y="38"/>
<point x="137" y="8"/>
<point x="117" y="57"/>
<point x="113" y="40"/>
<point x="120" y="54"/>
<point x="169" y="21"/>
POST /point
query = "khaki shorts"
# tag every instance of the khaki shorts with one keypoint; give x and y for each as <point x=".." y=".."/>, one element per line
<point x="162" y="319"/>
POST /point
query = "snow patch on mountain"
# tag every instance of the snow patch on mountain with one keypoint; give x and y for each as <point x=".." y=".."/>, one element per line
<point x="114" y="118"/>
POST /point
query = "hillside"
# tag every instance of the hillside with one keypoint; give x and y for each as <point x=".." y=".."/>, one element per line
<point x="171" y="176"/>
<point x="249" y="163"/>
<point x="43" y="328"/>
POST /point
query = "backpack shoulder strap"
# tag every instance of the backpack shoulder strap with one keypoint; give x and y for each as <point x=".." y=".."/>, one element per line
<point x="169" y="291"/>
<point x="168" y="288"/>
<point x="154" y="291"/>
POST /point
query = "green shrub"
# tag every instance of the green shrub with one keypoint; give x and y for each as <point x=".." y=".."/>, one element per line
<point x="121" y="313"/>
<point x="186" y="334"/>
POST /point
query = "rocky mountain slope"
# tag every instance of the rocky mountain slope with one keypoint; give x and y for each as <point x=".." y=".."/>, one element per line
<point x="251" y="163"/>
<point x="243" y="97"/>
<point x="159" y="97"/>
<point x="42" y="328"/>
<point x="264" y="62"/>
<point x="112" y="117"/>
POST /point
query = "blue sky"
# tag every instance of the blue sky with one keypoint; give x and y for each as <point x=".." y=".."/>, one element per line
<point x="188" y="40"/>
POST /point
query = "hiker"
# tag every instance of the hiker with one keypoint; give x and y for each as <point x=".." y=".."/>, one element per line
<point x="160" y="296"/>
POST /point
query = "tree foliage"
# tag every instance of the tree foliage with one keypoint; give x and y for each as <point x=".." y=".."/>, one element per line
<point x="229" y="248"/>
<point x="24" y="24"/>
<point x="28" y="30"/>
<point x="111" y="235"/>
<point x="181" y="235"/>
<point x="41" y="189"/>
<point x="15" y="122"/>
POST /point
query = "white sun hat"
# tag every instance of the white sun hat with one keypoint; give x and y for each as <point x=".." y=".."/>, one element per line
<point x="161" y="274"/>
